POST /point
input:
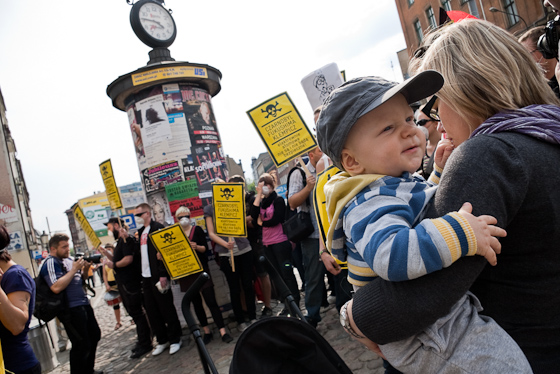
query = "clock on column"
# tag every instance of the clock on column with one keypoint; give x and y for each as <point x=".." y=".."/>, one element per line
<point x="153" y="24"/>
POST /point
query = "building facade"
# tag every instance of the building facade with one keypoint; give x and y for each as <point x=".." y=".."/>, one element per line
<point x="418" y="17"/>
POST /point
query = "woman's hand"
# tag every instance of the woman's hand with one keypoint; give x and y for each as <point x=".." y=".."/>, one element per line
<point x="374" y="347"/>
<point x="259" y="187"/>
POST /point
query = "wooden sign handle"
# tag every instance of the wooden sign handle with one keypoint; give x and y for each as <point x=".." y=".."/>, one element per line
<point x="232" y="257"/>
<point x="303" y="165"/>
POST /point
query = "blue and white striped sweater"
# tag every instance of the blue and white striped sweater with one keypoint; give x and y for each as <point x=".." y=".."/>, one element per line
<point x="381" y="232"/>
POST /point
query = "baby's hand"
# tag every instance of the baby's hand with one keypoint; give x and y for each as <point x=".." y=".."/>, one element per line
<point x="443" y="151"/>
<point x="485" y="232"/>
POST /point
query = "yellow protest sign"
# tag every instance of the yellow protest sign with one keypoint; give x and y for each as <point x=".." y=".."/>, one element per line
<point x="228" y="200"/>
<point x="2" y="370"/>
<point x="282" y="129"/>
<point x="81" y="219"/>
<point x="111" y="188"/>
<point x="320" y="203"/>
<point x="179" y="258"/>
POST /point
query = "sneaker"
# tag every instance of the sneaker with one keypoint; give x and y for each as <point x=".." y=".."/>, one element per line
<point x="159" y="349"/>
<point x="140" y="351"/>
<point x="284" y="313"/>
<point x="243" y="326"/>
<point x="266" y="312"/>
<point x="226" y="338"/>
<point x="208" y="338"/>
<point x="175" y="347"/>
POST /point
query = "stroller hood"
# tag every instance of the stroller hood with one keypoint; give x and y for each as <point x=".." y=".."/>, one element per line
<point x="284" y="345"/>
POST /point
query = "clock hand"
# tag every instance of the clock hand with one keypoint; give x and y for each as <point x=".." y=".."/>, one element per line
<point x="151" y="20"/>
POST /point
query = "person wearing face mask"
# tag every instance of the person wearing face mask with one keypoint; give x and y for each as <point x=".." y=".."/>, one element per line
<point x="125" y="262"/>
<point x="269" y="210"/>
<point x="198" y="241"/>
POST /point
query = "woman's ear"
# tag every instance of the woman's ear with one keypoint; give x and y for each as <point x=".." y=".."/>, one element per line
<point x="350" y="163"/>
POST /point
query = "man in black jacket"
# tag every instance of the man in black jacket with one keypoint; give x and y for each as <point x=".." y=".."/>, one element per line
<point x="159" y="304"/>
<point x="125" y="260"/>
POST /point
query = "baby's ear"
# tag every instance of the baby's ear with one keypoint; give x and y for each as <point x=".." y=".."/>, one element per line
<point x="350" y="163"/>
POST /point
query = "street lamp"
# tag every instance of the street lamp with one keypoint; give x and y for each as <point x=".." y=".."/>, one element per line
<point x="45" y="241"/>
<point x="494" y="10"/>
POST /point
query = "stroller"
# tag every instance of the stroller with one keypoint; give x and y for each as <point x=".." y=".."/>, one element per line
<point x="274" y="345"/>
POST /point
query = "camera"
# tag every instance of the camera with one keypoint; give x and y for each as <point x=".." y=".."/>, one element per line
<point x="548" y="42"/>
<point x="94" y="259"/>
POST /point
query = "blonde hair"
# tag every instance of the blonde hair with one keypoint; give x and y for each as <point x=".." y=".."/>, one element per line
<point x="486" y="70"/>
<point x="182" y="210"/>
<point x="268" y="179"/>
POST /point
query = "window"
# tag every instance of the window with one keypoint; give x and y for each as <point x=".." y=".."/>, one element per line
<point x="510" y="9"/>
<point x="418" y="29"/>
<point x="410" y="2"/>
<point x="431" y="17"/>
<point x="472" y="8"/>
<point x="446" y="4"/>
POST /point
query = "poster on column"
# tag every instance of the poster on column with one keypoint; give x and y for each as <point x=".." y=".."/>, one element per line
<point x="282" y="129"/>
<point x="229" y="209"/>
<point x="160" y="207"/>
<point x="200" y="116"/>
<point x="209" y="165"/>
<point x="84" y="224"/>
<point x="178" y="256"/>
<point x="159" y="176"/>
<point x="111" y="189"/>
<point x="184" y="194"/>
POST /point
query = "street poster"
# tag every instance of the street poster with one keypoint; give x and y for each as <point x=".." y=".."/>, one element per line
<point x="184" y="194"/>
<point x="81" y="219"/>
<point x="178" y="256"/>
<point x="320" y="203"/>
<point x="228" y="200"/>
<point x="282" y="129"/>
<point x="111" y="189"/>
<point x="159" y="176"/>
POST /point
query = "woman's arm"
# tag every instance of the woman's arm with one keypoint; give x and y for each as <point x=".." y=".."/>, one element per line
<point x="14" y="310"/>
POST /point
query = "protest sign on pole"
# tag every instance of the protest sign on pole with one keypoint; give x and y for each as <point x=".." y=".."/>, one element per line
<point x="282" y="129"/>
<point x="228" y="200"/>
<point x="111" y="188"/>
<point x="178" y="256"/>
<point x="81" y="219"/>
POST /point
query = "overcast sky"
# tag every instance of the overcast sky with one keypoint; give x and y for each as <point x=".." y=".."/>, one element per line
<point x="58" y="57"/>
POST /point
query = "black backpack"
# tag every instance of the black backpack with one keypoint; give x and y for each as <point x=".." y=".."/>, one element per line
<point x="48" y="304"/>
<point x="298" y="225"/>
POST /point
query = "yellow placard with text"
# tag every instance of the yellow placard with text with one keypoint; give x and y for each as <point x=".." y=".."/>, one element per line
<point x="320" y="203"/>
<point x="178" y="256"/>
<point x="84" y="224"/>
<point x="228" y="200"/>
<point x="181" y="71"/>
<point x="282" y="129"/>
<point x="111" y="189"/>
<point x="2" y="370"/>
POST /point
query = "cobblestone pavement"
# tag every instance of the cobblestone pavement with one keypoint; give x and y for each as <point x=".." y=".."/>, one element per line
<point x="113" y="350"/>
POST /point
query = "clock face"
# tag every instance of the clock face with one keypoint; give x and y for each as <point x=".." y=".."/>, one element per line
<point x="156" y="21"/>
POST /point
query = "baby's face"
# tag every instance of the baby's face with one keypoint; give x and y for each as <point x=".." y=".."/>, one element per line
<point x="386" y="141"/>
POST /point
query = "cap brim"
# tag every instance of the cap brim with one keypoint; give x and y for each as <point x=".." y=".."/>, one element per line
<point x="420" y="86"/>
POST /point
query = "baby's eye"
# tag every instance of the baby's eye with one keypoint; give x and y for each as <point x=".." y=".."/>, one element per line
<point x="410" y="119"/>
<point x="388" y="128"/>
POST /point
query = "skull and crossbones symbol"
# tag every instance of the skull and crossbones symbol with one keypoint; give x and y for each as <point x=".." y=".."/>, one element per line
<point x="167" y="237"/>
<point x="272" y="110"/>
<point x="226" y="193"/>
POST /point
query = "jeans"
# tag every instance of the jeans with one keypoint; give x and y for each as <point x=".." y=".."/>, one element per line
<point x="280" y="256"/>
<point x="314" y="278"/>
<point x="84" y="333"/>
<point x="133" y="301"/>
<point x="242" y="277"/>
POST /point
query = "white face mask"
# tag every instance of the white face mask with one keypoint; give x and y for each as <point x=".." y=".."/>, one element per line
<point x="266" y="191"/>
<point x="110" y="234"/>
<point x="139" y="221"/>
<point x="184" y="221"/>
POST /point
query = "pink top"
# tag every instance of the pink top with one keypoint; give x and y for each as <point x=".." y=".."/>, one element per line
<point x="274" y="234"/>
